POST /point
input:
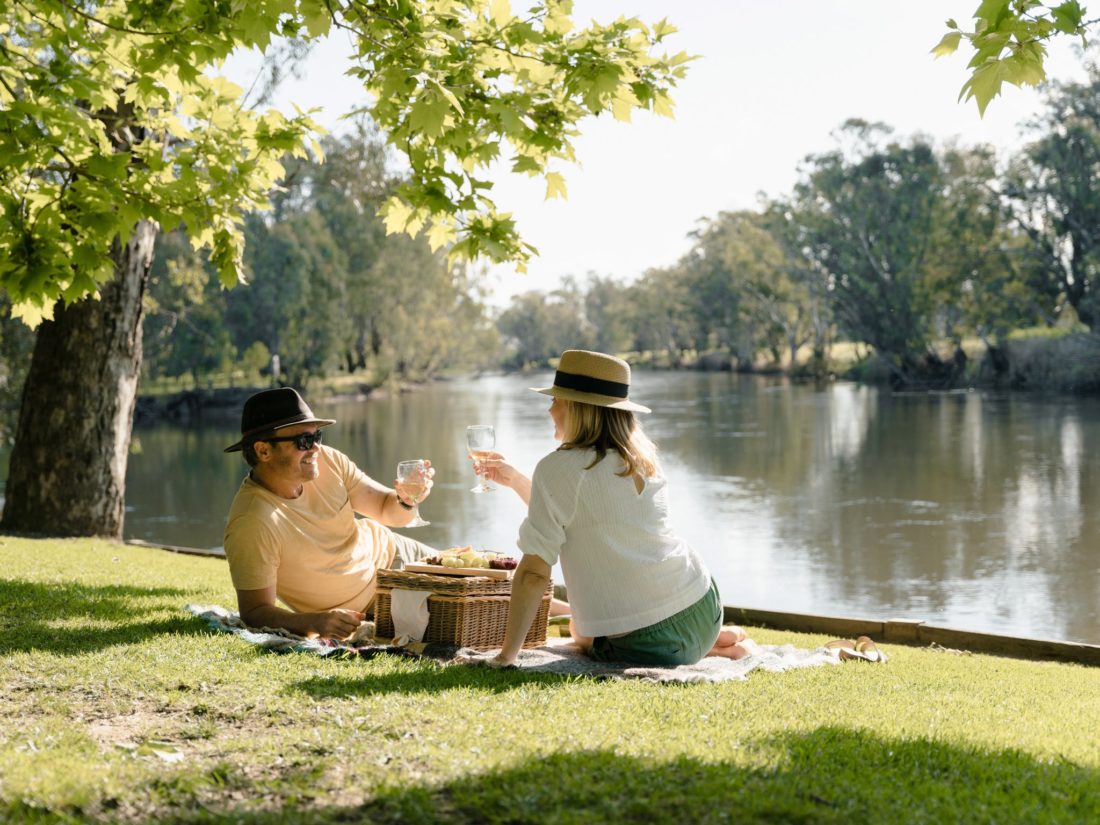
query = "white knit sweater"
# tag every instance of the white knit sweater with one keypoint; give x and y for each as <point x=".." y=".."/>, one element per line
<point x="624" y="568"/>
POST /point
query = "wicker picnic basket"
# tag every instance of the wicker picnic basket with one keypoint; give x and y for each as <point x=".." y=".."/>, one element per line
<point x="468" y="611"/>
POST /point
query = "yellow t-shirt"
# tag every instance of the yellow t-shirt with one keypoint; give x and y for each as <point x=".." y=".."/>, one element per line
<point x="313" y="549"/>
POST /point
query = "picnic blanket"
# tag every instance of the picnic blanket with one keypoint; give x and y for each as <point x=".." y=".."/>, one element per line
<point x="557" y="656"/>
<point x="362" y="644"/>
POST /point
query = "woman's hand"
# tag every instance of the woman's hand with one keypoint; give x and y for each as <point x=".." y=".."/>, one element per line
<point x="494" y="468"/>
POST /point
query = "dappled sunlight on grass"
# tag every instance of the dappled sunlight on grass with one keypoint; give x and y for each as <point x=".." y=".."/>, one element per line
<point x="118" y="706"/>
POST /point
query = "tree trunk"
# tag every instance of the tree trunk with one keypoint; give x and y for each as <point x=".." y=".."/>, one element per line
<point x="67" y="474"/>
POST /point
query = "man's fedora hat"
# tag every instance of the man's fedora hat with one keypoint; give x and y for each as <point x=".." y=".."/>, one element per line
<point x="593" y="378"/>
<point x="272" y="410"/>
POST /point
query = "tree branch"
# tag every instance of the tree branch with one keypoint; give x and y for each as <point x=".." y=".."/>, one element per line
<point x="114" y="27"/>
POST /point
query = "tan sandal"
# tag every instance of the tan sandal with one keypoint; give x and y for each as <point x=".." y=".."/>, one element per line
<point x="866" y="649"/>
<point x="862" y="649"/>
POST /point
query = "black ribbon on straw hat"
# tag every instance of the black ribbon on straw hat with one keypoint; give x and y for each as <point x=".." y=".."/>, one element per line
<point x="271" y="410"/>
<point x="593" y="378"/>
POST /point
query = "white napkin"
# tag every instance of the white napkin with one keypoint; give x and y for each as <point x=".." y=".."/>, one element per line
<point x="409" y="609"/>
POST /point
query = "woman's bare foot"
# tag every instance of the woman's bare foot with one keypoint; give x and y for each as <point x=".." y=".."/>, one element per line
<point x="730" y="651"/>
<point x="729" y="644"/>
<point x="731" y="635"/>
<point x="582" y="643"/>
<point x="559" y="608"/>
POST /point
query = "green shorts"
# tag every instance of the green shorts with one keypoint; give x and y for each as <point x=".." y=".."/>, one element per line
<point x="682" y="639"/>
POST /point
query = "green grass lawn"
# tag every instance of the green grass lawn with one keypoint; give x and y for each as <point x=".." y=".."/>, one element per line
<point x="117" y="706"/>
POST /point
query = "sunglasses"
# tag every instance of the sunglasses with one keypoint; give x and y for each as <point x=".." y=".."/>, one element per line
<point x="302" y="441"/>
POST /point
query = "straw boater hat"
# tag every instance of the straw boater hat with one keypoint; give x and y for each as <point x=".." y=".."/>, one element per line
<point x="272" y="410"/>
<point x="593" y="378"/>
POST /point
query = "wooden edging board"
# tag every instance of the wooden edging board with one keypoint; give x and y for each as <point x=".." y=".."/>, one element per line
<point x="917" y="632"/>
<point x="214" y="552"/>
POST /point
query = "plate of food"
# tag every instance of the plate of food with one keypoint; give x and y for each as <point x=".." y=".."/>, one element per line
<point x="465" y="561"/>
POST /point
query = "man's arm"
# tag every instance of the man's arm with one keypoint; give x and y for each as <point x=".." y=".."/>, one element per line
<point x="258" y="609"/>
<point x="380" y="503"/>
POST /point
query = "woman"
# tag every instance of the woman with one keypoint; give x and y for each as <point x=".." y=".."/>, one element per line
<point x="598" y="504"/>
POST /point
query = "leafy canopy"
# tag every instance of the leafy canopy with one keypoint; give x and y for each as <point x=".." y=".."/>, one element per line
<point x="106" y="119"/>
<point x="110" y="113"/>
<point x="1009" y="41"/>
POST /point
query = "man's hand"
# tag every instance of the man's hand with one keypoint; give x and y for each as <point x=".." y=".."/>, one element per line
<point x="258" y="609"/>
<point x="338" y="623"/>
<point x="414" y="490"/>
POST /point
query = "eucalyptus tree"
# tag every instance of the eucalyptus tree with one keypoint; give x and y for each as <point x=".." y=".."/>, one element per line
<point x="807" y="315"/>
<point x="713" y="297"/>
<point x="346" y="190"/>
<point x="661" y="313"/>
<point x="537" y="326"/>
<point x="871" y="214"/>
<point x="1053" y="191"/>
<point x="110" y="126"/>
<point x="986" y="271"/>
<point x="606" y="307"/>
<point x="753" y="286"/>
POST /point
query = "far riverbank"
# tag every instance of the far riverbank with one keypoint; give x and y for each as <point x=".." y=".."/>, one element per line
<point x="1067" y="364"/>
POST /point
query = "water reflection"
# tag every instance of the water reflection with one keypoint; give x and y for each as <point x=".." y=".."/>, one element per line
<point x="966" y="509"/>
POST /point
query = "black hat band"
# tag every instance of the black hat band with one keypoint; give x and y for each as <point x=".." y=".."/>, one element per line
<point x="586" y="383"/>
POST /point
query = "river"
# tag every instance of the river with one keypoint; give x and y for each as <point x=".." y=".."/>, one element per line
<point x="969" y="509"/>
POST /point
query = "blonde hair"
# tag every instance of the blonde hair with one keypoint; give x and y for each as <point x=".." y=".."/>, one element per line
<point x="589" y="426"/>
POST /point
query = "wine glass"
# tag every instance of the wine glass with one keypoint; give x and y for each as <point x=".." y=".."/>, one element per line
<point x="413" y="475"/>
<point x="480" y="440"/>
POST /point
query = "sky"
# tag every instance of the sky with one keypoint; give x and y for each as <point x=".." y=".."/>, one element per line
<point x="774" y="81"/>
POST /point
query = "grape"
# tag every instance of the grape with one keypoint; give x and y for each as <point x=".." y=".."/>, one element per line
<point x="506" y="563"/>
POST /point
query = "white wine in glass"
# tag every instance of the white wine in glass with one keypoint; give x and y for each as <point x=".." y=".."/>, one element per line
<point x="480" y="441"/>
<point x="413" y="475"/>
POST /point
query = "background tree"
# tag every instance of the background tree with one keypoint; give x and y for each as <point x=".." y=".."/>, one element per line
<point x="661" y="318"/>
<point x="178" y="292"/>
<point x="1053" y="191"/>
<point x="712" y="296"/>
<point x="749" y="286"/>
<point x="871" y="217"/>
<point x="16" y="346"/>
<point x="810" y="319"/>
<point x="346" y="190"/>
<point x="538" y="326"/>
<point x="985" y="271"/>
<point x="607" y="308"/>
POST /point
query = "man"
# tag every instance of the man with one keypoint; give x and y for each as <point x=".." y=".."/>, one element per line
<point x="292" y="532"/>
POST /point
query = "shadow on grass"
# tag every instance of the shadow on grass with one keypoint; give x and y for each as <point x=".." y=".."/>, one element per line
<point x="832" y="774"/>
<point x="434" y="680"/>
<point x="35" y="615"/>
